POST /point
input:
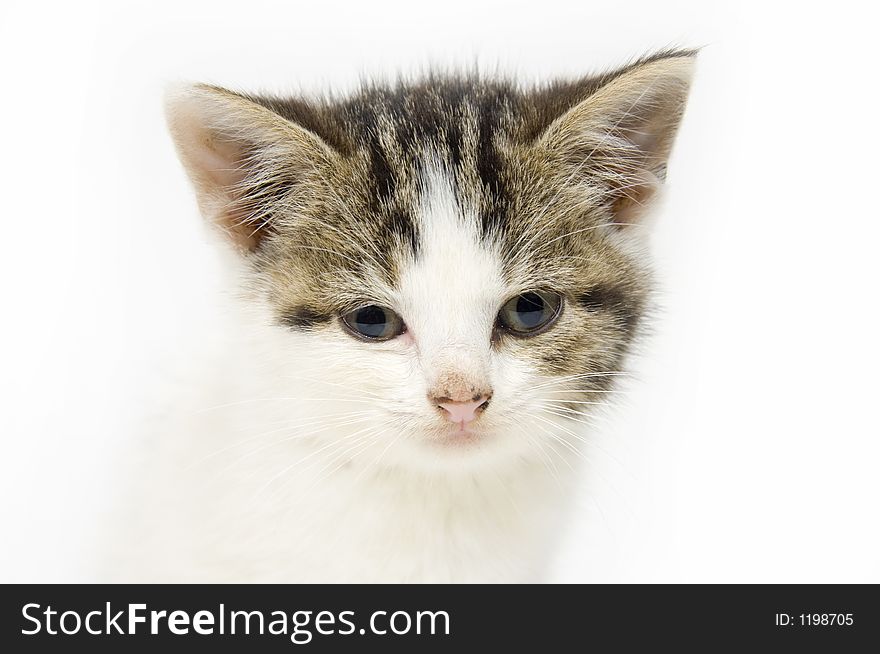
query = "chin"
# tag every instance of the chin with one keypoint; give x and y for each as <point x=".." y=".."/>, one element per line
<point x="450" y="452"/>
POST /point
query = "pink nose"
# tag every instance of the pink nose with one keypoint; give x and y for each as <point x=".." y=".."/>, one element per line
<point x="464" y="412"/>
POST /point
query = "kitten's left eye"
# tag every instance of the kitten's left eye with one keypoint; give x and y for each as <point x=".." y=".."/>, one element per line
<point x="530" y="313"/>
<point x="374" y="323"/>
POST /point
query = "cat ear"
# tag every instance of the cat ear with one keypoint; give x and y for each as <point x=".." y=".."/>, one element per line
<point x="622" y="133"/>
<point x="242" y="158"/>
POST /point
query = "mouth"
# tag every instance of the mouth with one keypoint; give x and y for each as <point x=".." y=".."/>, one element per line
<point x="459" y="435"/>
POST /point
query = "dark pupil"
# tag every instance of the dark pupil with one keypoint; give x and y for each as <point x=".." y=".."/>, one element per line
<point x="530" y="309"/>
<point x="371" y="321"/>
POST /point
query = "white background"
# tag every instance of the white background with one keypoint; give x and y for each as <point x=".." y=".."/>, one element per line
<point x="747" y="451"/>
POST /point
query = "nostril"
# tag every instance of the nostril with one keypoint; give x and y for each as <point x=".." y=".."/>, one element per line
<point x="462" y="412"/>
<point x="479" y="398"/>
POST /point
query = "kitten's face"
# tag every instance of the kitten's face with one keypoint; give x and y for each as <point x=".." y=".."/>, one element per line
<point x="534" y="320"/>
<point x="450" y="265"/>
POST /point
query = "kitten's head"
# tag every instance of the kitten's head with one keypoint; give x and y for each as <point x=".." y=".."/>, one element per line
<point x="451" y="265"/>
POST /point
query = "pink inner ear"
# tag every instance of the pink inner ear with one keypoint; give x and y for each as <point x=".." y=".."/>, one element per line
<point x="212" y="161"/>
<point x="644" y="140"/>
<point x="636" y="199"/>
<point x="219" y="162"/>
<point x="215" y="164"/>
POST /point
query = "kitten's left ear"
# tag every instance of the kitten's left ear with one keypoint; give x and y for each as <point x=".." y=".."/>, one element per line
<point x="622" y="133"/>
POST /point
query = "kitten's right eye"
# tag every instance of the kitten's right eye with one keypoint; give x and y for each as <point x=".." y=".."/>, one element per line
<point x="374" y="323"/>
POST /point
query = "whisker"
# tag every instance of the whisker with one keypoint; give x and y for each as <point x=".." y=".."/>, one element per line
<point x="347" y="387"/>
<point x="282" y="399"/>
<point x="592" y="443"/>
<point x="546" y="460"/>
<point x="313" y="420"/>
<point x="298" y="436"/>
<point x="376" y="461"/>
<point x="563" y="402"/>
<point x="574" y="416"/>
<point x="347" y="454"/>
<point x="311" y="455"/>
<point x="579" y="376"/>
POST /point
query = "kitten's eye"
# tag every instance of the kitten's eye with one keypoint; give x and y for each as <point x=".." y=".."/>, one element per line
<point x="374" y="323"/>
<point x="530" y="313"/>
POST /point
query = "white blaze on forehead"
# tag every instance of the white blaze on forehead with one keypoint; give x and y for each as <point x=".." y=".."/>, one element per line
<point x="451" y="293"/>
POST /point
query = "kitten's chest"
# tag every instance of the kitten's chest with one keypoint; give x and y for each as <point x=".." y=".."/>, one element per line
<point x="369" y="530"/>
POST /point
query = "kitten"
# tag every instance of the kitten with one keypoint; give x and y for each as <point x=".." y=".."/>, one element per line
<point x="438" y="280"/>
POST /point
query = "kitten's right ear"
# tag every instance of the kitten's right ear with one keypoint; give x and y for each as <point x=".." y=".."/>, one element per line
<point x="242" y="158"/>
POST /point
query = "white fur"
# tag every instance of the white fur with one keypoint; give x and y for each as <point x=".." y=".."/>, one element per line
<point x="312" y="456"/>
